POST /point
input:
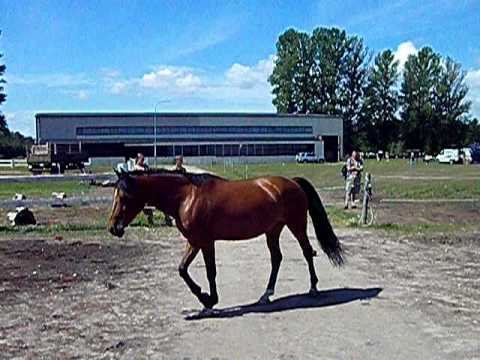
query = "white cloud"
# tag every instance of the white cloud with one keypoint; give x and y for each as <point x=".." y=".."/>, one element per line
<point x="81" y="95"/>
<point x="473" y="81"/>
<point x="110" y="73"/>
<point x="247" y="77"/>
<point x="473" y="78"/>
<point x="171" y="77"/>
<point x="404" y="50"/>
<point x="21" y="121"/>
<point x="50" y="80"/>
<point x="119" y="87"/>
<point x="239" y="84"/>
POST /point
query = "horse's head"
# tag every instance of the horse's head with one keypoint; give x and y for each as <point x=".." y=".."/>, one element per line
<point x="127" y="203"/>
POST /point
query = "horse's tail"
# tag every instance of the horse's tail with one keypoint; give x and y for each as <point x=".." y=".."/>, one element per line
<point x="325" y="235"/>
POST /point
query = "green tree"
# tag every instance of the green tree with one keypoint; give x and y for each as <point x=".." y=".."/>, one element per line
<point x="3" y="96"/>
<point x="420" y="77"/>
<point x="473" y="132"/>
<point x="12" y="144"/>
<point x="322" y="73"/>
<point x="329" y="48"/>
<point x="284" y="76"/>
<point x="354" y="73"/>
<point x="450" y="106"/>
<point x="378" y="125"/>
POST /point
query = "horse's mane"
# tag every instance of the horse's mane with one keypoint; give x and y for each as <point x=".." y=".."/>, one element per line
<point x="197" y="179"/>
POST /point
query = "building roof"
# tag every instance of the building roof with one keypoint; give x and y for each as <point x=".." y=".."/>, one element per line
<point x="178" y="114"/>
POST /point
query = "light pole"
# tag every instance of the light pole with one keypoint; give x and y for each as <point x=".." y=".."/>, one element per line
<point x="155" y="135"/>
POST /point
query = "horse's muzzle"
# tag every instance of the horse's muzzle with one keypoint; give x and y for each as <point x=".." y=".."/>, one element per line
<point x="117" y="231"/>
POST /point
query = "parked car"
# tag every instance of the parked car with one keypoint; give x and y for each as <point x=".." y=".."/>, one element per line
<point x="308" y="157"/>
<point x="449" y="156"/>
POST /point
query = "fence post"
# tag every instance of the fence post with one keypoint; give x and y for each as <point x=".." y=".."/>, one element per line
<point x="366" y="196"/>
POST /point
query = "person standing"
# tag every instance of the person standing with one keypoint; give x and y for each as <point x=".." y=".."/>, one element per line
<point x="354" y="167"/>
<point x="179" y="164"/>
<point x="140" y="163"/>
<point x="179" y="168"/>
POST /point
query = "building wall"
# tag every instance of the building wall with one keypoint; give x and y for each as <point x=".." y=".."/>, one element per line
<point x="84" y="127"/>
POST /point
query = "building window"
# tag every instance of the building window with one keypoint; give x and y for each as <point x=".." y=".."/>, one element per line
<point x="190" y="130"/>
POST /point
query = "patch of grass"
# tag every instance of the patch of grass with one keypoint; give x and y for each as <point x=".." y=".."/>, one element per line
<point x="322" y="175"/>
<point x="422" y="229"/>
<point x="5" y="170"/>
<point x="428" y="189"/>
<point x="42" y="189"/>
<point x="341" y="218"/>
<point x="54" y="229"/>
<point x="415" y="186"/>
<point x="90" y="226"/>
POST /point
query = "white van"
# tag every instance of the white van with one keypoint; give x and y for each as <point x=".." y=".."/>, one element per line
<point x="449" y="156"/>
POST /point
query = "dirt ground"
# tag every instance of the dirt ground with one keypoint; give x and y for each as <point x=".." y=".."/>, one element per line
<point x="107" y="298"/>
<point x="461" y="213"/>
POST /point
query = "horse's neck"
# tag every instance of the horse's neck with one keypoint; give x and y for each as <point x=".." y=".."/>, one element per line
<point x="165" y="192"/>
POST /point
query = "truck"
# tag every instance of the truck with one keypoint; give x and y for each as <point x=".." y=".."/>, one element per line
<point x="455" y="156"/>
<point x="449" y="156"/>
<point x="56" y="158"/>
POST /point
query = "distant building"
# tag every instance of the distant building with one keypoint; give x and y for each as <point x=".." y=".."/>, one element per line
<point x="197" y="135"/>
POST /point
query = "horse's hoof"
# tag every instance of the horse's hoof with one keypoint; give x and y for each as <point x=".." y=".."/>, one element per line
<point x="207" y="300"/>
<point x="264" y="300"/>
<point x="206" y="312"/>
<point x="313" y="292"/>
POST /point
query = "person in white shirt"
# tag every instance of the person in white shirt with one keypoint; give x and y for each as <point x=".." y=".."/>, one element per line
<point x="352" y="183"/>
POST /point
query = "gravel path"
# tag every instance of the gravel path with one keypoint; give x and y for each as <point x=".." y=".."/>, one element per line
<point x="123" y="299"/>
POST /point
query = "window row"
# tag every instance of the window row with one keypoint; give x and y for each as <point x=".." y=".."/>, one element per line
<point x="234" y="150"/>
<point x="190" y="130"/>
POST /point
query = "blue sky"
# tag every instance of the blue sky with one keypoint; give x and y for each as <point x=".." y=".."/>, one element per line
<point x="197" y="55"/>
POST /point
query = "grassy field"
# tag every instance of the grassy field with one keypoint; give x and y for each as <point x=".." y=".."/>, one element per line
<point x="42" y="189"/>
<point x="394" y="179"/>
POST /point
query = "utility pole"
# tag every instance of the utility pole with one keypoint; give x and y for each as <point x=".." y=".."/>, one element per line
<point x="155" y="135"/>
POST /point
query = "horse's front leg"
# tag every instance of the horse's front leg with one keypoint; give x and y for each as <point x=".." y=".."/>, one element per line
<point x="208" y="252"/>
<point x="188" y="257"/>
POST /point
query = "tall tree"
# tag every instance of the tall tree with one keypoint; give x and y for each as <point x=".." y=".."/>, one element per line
<point x="354" y="71"/>
<point x="322" y="73"/>
<point x="450" y="105"/>
<point x="303" y="81"/>
<point x="3" y="96"/>
<point x="378" y="122"/>
<point x="420" y="77"/>
<point x="329" y="47"/>
<point x="473" y="132"/>
<point x="284" y="75"/>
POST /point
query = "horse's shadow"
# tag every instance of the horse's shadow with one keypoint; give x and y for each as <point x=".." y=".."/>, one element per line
<point x="291" y="302"/>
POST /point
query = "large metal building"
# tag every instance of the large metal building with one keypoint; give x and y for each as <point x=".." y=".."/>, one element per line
<point x="201" y="135"/>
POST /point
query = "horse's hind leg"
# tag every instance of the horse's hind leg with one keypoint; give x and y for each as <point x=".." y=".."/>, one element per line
<point x="299" y="230"/>
<point x="273" y="244"/>
<point x="209" y="257"/>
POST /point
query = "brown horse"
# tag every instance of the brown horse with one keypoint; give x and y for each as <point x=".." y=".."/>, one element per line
<point x="207" y="208"/>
